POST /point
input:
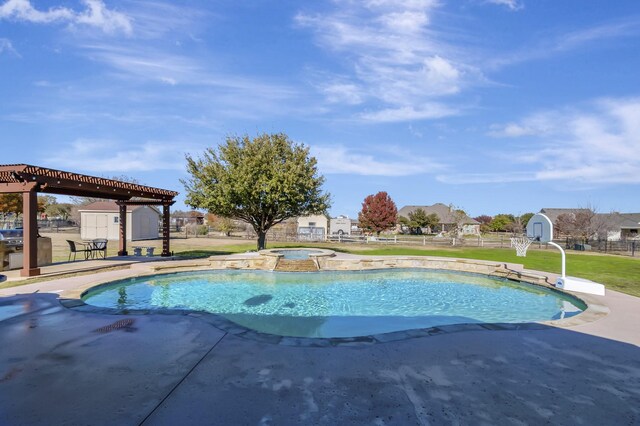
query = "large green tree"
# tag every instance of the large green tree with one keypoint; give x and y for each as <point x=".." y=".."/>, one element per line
<point x="262" y="181"/>
<point x="419" y="219"/>
<point x="501" y="222"/>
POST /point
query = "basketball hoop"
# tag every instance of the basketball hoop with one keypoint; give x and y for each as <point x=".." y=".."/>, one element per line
<point x="521" y="245"/>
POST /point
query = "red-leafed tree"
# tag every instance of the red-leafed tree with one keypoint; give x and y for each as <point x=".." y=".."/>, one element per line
<point x="379" y="212"/>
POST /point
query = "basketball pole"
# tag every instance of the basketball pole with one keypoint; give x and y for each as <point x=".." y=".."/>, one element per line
<point x="564" y="258"/>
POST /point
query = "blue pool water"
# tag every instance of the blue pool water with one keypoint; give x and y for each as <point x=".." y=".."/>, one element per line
<point x="296" y="254"/>
<point x="341" y="304"/>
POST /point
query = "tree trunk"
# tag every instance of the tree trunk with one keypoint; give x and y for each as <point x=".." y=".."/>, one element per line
<point x="262" y="240"/>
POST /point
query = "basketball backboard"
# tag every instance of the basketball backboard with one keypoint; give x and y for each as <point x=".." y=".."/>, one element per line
<point x="540" y="228"/>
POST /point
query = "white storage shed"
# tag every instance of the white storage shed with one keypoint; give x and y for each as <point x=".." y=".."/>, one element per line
<point x="101" y="220"/>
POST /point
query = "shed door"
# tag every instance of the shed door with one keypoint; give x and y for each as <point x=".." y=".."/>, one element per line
<point x="101" y="226"/>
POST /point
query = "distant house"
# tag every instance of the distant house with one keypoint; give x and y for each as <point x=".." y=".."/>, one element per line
<point x="102" y="220"/>
<point x="447" y="218"/>
<point x="553" y="213"/>
<point x="313" y="228"/>
<point x="180" y="219"/>
<point x="630" y="226"/>
<point x="619" y="226"/>
<point x="622" y="226"/>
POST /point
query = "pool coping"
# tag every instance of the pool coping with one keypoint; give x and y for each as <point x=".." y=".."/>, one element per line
<point x="72" y="299"/>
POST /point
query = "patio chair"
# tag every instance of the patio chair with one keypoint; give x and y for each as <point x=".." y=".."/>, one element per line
<point x="97" y="246"/>
<point x="76" y="248"/>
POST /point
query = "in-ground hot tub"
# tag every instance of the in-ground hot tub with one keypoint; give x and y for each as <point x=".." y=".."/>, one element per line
<point x="341" y="304"/>
<point x="297" y="254"/>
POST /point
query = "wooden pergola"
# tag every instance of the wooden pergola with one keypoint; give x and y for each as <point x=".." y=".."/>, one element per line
<point x="30" y="180"/>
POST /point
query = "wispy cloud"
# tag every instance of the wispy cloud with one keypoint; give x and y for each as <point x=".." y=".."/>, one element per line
<point x="337" y="159"/>
<point x="539" y="124"/>
<point x="95" y="14"/>
<point x="157" y="19"/>
<point x="145" y="63"/>
<point x="395" y="55"/>
<point x="568" y="41"/>
<point x="595" y="144"/>
<point x="511" y="4"/>
<point x="7" y="47"/>
<point x="104" y="156"/>
<point x="498" y="177"/>
<point x="408" y="113"/>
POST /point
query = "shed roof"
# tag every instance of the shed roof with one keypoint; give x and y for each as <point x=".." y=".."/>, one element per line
<point x="110" y="206"/>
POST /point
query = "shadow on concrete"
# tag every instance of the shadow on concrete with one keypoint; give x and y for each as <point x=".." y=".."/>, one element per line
<point x="55" y="367"/>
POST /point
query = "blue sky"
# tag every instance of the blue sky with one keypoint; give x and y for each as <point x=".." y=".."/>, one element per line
<point x="491" y="105"/>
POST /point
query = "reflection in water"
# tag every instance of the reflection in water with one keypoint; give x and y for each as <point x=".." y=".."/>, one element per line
<point x="122" y="300"/>
<point x="165" y="294"/>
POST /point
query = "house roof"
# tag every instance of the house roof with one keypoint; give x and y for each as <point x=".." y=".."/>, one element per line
<point x="110" y="206"/>
<point x="629" y="220"/>
<point x="553" y="213"/>
<point x="621" y="220"/>
<point x="443" y="211"/>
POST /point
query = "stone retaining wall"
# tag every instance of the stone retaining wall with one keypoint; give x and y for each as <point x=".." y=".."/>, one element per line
<point x="331" y="263"/>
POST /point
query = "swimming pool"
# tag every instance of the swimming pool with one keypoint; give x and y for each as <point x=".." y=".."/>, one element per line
<point x="341" y="304"/>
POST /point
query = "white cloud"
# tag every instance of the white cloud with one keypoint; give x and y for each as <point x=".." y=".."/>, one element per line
<point x="586" y="37"/>
<point x="539" y="124"/>
<point x="347" y="93"/>
<point x="22" y="10"/>
<point x="7" y="46"/>
<point x="409" y="113"/>
<point x="511" y="4"/>
<point x="337" y="159"/>
<point x="142" y="63"/>
<point x="96" y="14"/>
<point x="100" y="155"/>
<point x="583" y="38"/>
<point x="595" y="144"/>
<point x="395" y="55"/>
<point x="500" y="177"/>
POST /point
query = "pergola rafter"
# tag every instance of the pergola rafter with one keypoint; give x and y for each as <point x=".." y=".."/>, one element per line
<point x="29" y="180"/>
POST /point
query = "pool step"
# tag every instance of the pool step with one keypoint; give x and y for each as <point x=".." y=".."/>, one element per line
<point x="296" y="265"/>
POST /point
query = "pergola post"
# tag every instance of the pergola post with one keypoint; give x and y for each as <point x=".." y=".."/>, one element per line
<point x="30" y="232"/>
<point x="166" y="228"/>
<point x="122" y="243"/>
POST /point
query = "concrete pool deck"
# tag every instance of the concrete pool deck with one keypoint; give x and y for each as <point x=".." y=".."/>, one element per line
<point x="67" y="366"/>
